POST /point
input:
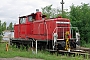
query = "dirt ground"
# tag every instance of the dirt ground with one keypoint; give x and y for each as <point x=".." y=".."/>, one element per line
<point x="19" y="58"/>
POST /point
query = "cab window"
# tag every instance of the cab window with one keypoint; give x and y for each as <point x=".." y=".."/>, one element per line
<point x="22" y="20"/>
<point x="30" y="18"/>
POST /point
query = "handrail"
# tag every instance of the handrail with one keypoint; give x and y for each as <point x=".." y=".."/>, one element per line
<point x="56" y="31"/>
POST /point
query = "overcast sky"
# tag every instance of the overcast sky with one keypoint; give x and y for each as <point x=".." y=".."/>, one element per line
<point x="10" y="10"/>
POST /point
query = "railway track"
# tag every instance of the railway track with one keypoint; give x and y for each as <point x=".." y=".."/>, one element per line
<point x="80" y="51"/>
<point x="74" y="53"/>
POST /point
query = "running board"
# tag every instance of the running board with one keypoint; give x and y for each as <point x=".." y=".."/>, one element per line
<point x="60" y="39"/>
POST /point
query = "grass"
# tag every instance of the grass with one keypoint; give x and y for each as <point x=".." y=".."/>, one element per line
<point x="15" y="52"/>
<point x="86" y="45"/>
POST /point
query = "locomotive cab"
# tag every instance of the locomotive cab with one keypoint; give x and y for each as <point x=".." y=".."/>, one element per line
<point x="30" y="18"/>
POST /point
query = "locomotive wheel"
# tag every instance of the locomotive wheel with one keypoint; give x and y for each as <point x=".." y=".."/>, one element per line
<point x="73" y="44"/>
<point x="61" y="45"/>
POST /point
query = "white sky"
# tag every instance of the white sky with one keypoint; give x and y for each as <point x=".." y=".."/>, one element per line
<point x="11" y="9"/>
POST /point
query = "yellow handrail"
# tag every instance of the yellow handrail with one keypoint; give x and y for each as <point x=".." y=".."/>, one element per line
<point x="67" y="41"/>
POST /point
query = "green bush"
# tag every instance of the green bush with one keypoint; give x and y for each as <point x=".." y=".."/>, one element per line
<point x="82" y="42"/>
<point x="0" y="38"/>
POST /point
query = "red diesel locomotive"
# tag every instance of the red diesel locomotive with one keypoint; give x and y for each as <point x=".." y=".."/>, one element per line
<point x="49" y="33"/>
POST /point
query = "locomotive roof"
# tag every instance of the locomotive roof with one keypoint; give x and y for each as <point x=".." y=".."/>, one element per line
<point x="32" y="14"/>
<point x="22" y="17"/>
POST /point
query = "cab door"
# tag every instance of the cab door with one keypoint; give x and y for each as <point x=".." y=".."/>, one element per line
<point x="22" y="27"/>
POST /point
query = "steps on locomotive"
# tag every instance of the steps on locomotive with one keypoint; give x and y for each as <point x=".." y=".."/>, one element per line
<point x="51" y="51"/>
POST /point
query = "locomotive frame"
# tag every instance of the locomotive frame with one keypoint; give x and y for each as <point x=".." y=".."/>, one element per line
<point x="35" y="30"/>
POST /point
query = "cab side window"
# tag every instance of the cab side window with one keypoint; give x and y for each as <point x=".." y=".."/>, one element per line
<point x="30" y="18"/>
<point x="22" y="20"/>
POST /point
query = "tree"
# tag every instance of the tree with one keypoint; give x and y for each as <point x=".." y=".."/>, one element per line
<point x="47" y="11"/>
<point x="4" y="26"/>
<point x="54" y="12"/>
<point x="0" y="31"/>
<point x="10" y="27"/>
<point x="0" y="28"/>
<point x="79" y="16"/>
